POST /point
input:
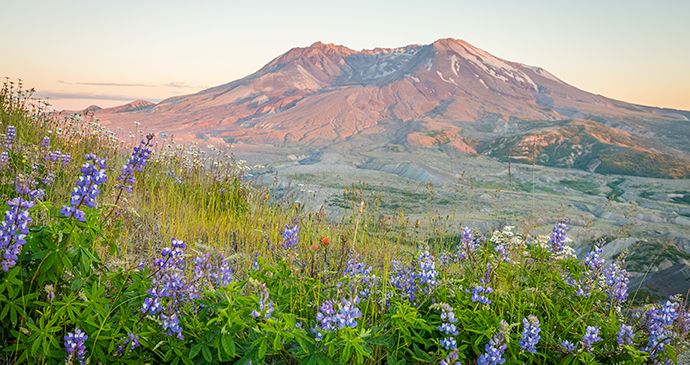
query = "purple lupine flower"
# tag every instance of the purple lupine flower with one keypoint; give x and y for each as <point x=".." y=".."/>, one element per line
<point x="74" y="344"/>
<point x="617" y="282"/>
<point x="402" y="279"/>
<point x="53" y="156"/>
<point x="348" y="312"/>
<point x="131" y="339"/>
<point x="557" y="240"/>
<point x="452" y="358"/>
<point x="625" y="335"/>
<point x="265" y="306"/>
<point x="136" y="163"/>
<point x="48" y="179"/>
<point x="591" y="336"/>
<point x="359" y="275"/>
<point x="480" y="293"/>
<point x="659" y="325"/>
<point x="94" y="174"/>
<point x="568" y="346"/>
<point x="495" y="348"/>
<point x="326" y="319"/>
<point x="529" y="337"/>
<point x="468" y="243"/>
<point x="170" y="290"/>
<point x="10" y="136"/>
<point x="447" y="327"/>
<point x="45" y="142"/>
<point x="290" y="236"/>
<point x="4" y="159"/>
<point x="13" y="230"/>
<point x="594" y="260"/>
<point x="66" y="158"/>
<point x="50" y="292"/>
<point x="426" y="269"/>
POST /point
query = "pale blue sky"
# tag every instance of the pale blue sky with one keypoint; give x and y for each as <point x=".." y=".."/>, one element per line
<point x="110" y="52"/>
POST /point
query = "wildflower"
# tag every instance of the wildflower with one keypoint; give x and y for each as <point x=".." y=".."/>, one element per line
<point x="315" y="247"/>
<point x="13" y="230"/>
<point x="45" y="142"/>
<point x="594" y="260"/>
<point x="468" y="243"/>
<point x="530" y="334"/>
<point x="325" y="318"/>
<point x="4" y="159"/>
<point x="480" y="293"/>
<point x="74" y="344"/>
<point x="625" y="335"/>
<point x="290" y="236"/>
<point x="172" y="325"/>
<point x="359" y="275"/>
<point x="265" y="306"/>
<point x="131" y="339"/>
<point x="426" y="269"/>
<point x="659" y="325"/>
<point x="10" y="136"/>
<point x="50" y="292"/>
<point x="447" y="327"/>
<point x="495" y="348"/>
<point x="324" y="241"/>
<point x="66" y="159"/>
<point x="616" y="282"/>
<point x="591" y="336"/>
<point x="568" y="346"/>
<point x="557" y="240"/>
<point x="136" y="163"/>
<point x="87" y="187"/>
<point x="348" y="312"/>
<point x="452" y="358"/>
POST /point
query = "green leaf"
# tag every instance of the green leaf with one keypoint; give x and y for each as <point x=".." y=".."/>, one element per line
<point x="316" y="359"/>
<point x="195" y="350"/>
<point x="228" y="345"/>
<point x="206" y="353"/>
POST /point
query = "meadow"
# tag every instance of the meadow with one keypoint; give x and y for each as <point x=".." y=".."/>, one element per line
<point x="138" y="250"/>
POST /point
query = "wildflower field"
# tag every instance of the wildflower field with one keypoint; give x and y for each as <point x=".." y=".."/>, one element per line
<point x="138" y="250"/>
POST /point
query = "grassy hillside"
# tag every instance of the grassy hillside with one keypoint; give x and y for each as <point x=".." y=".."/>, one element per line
<point x="134" y="249"/>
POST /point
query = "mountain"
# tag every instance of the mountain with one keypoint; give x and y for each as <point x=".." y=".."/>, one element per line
<point x="448" y="95"/>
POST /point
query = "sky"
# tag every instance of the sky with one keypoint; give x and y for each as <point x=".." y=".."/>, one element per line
<point x="108" y="53"/>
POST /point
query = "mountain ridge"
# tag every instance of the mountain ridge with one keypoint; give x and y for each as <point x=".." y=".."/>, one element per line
<point x="448" y="94"/>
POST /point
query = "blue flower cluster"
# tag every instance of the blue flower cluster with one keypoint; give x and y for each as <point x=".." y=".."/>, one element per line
<point x="625" y="335"/>
<point x="45" y="142"/>
<point x="94" y="174"/>
<point x="10" y="137"/>
<point x="265" y="305"/>
<point x="617" y="282"/>
<point x="13" y="230"/>
<point x="168" y="282"/>
<point x="359" y="275"/>
<point x="568" y="346"/>
<point x="452" y="358"/>
<point x="557" y="240"/>
<point x="591" y="336"/>
<point x="326" y="319"/>
<point x="495" y="348"/>
<point x="419" y="277"/>
<point x="469" y="242"/>
<point x="660" y="326"/>
<point x="480" y="292"/>
<point x="57" y="156"/>
<point x="136" y="163"/>
<point x="74" y="344"/>
<point x="448" y="327"/>
<point x="131" y="339"/>
<point x="529" y="337"/>
<point x="594" y="260"/>
<point x="330" y="320"/>
<point x="290" y="236"/>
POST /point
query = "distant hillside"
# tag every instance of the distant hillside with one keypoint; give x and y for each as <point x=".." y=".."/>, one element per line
<point x="448" y="95"/>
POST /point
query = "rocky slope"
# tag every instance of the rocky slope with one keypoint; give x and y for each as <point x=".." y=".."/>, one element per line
<point x="448" y="95"/>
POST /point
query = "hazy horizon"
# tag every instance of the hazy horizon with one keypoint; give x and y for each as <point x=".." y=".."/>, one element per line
<point x="82" y="53"/>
